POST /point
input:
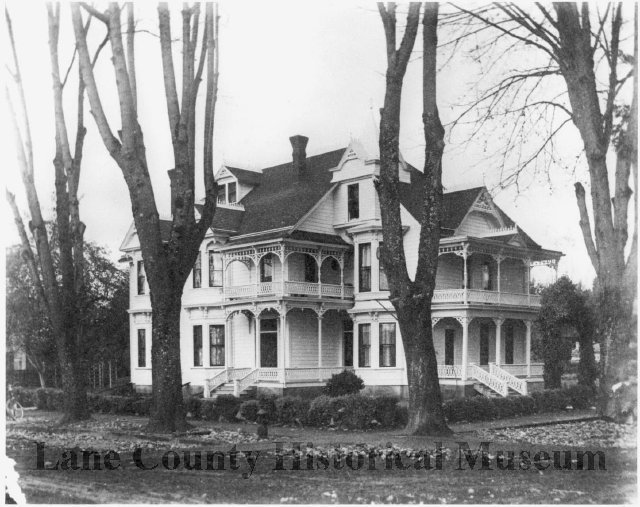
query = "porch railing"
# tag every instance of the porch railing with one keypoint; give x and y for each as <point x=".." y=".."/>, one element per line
<point x="223" y="377"/>
<point x="288" y="288"/>
<point x="520" y="370"/>
<point x="489" y="380"/>
<point x="517" y="384"/>
<point x="485" y="296"/>
<point x="449" y="371"/>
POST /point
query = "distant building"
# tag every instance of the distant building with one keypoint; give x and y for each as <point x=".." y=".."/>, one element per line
<point x="288" y="288"/>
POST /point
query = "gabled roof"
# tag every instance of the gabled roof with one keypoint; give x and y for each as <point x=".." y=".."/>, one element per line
<point x="224" y="219"/>
<point x="283" y="197"/>
<point x="245" y="176"/>
<point x="454" y="204"/>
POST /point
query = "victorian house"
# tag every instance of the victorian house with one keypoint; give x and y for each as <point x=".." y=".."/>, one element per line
<point x="288" y="289"/>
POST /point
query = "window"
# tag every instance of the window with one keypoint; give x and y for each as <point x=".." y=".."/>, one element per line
<point x="222" y="194"/>
<point x="388" y="344"/>
<point x="197" y="272"/>
<point x="215" y="269"/>
<point x="449" y="345"/>
<point x="384" y="283"/>
<point x="364" y="345"/>
<point x="508" y="345"/>
<point x="197" y="345"/>
<point x="141" y="277"/>
<point x="310" y="269"/>
<point x="347" y="342"/>
<point x="269" y="343"/>
<point x="365" y="267"/>
<point x="266" y="268"/>
<point x="142" y="348"/>
<point x="216" y="345"/>
<point x="353" y="201"/>
<point x="484" y="344"/>
<point x="486" y="277"/>
<point x="231" y="192"/>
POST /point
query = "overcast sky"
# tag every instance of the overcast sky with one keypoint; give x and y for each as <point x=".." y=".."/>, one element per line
<point x="311" y="68"/>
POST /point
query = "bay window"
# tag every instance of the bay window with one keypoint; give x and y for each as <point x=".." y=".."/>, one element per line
<point x="364" y="345"/>
<point x="197" y="345"/>
<point x="216" y="345"/>
<point x="388" y="344"/>
<point x="364" y="267"/>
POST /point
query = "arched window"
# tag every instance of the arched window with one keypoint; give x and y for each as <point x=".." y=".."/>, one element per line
<point x="215" y="269"/>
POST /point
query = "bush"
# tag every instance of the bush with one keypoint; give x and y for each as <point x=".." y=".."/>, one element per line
<point x="227" y="406"/>
<point x="290" y="408"/>
<point x="249" y="410"/>
<point x="49" y="399"/>
<point x="343" y="383"/>
<point x="25" y="396"/>
<point x="386" y="411"/>
<point x="267" y="402"/>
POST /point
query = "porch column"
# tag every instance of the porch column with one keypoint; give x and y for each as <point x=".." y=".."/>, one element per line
<point x="256" y="328"/>
<point x="356" y="265"/>
<point x="465" y="344"/>
<point x="342" y="276"/>
<point x="319" y="346"/>
<point x="527" y="348"/>
<point x="282" y="346"/>
<point x="498" y="259"/>
<point x="498" y="322"/>
<point x="228" y="345"/>
<point x="465" y="282"/>
<point x="528" y="281"/>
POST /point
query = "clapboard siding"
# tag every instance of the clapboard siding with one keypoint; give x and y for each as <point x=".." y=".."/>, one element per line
<point x="512" y="276"/>
<point x="242" y="333"/>
<point x="450" y="272"/>
<point x="476" y="223"/>
<point x="303" y="339"/>
<point x="331" y="339"/>
<point x="330" y="272"/>
<point x="320" y="220"/>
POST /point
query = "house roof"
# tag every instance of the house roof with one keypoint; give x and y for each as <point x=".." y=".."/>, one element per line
<point x="245" y="176"/>
<point x="283" y="197"/>
<point x="224" y="219"/>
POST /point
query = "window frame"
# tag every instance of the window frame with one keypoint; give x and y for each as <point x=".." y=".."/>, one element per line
<point x="198" y="350"/>
<point x="212" y="256"/>
<point x="449" y="338"/>
<point x="382" y="274"/>
<point x="263" y="276"/>
<point x="347" y="343"/>
<point x="196" y="272"/>
<point x="235" y="192"/>
<point x="142" y="338"/>
<point x="383" y="347"/>
<point x="364" y="349"/>
<point x="219" y="347"/>
<point x="141" y="278"/>
<point x="364" y="270"/>
<point x="353" y="202"/>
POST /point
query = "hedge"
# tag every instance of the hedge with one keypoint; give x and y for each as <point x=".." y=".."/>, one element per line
<point x="355" y="411"/>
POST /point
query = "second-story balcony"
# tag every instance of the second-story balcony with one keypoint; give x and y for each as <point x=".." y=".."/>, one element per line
<point x="289" y="288"/>
<point x="476" y="296"/>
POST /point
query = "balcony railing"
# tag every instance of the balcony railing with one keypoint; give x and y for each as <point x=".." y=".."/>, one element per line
<point x="289" y="288"/>
<point x="485" y="297"/>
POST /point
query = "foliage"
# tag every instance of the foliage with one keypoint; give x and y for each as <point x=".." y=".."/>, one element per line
<point x="290" y="409"/>
<point x="345" y="382"/>
<point x="103" y="306"/>
<point x="565" y="306"/>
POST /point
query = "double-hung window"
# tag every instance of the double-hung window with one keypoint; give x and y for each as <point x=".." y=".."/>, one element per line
<point x="197" y="272"/>
<point x="364" y="267"/>
<point x="353" y="201"/>
<point x="141" y="277"/>
<point x="142" y="348"/>
<point x="216" y="345"/>
<point x="232" y="192"/>
<point x="364" y="345"/>
<point x="266" y="268"/>
<point x="384" y="283"/>
<point x="197" y="346"/>
<point x="215" y="269"/>
<point x="388" y="344"/>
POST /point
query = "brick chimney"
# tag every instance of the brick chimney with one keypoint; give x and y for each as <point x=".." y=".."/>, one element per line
<point x="299" y="144"/>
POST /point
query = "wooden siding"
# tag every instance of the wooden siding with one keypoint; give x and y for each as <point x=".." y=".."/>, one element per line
<point x="303" y="338"/>
<point x="331" y="339"/>
<point x="242" y="332"/>
<point x="476" y="223"/>
<point x="320" y="220"/>
<point x="512" y="276"/>
<point x="450" y="272"/>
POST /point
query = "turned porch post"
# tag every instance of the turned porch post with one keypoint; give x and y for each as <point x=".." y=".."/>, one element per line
<point x="498" y="322"/>
<point x="283" y="351"/>
<point x="319" y="346"/>
<point x="256" y="328"/>
<point x="527" y="348"/>
<point x="465" y="345"/>
<point x="465" y="282"/>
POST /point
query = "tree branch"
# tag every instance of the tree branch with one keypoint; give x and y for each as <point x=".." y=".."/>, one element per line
<point x="171" y="92"/>
<point x="585" y="227"/>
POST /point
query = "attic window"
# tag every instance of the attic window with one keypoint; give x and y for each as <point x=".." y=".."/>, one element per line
<point x="228" y="193"/>
<point x="231" y="193"/>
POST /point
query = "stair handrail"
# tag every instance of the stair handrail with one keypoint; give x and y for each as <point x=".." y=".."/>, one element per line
<point x="491" y="381"/>
<point x="216" y="381"/>
<point x="515" y="383"/>
<point x="240" y="384"/>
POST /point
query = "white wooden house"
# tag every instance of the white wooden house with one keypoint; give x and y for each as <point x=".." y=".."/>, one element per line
<point x="288" y="289"/>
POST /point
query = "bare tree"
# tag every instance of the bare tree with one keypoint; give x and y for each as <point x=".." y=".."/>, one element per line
<point x="60" y="290"/>
<point x="167" y="262"/>
<point x="574" y="40"/>
<point x="412" y="299"/>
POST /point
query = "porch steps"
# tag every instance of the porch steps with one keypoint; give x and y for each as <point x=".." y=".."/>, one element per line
<point x="248" y="394"/>
<point x="490" y="393"/>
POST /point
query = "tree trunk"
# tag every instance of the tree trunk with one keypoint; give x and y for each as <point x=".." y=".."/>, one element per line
<point x="426" y="416"/>
<point x="587" y="369"/>
<point x="74" y="387"/>
<point x="168" y="413"/>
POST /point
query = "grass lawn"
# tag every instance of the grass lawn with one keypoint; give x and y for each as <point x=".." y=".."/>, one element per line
<point x="339" y="483"/>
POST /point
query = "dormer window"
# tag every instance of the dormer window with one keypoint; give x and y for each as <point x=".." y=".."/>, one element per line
<point x="228" y="193"/>
<point x="353" y="201"/>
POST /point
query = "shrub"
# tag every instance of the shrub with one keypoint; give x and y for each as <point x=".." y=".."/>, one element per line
<point x="290" y="408"/>
<point x="193" y="406"/>
<point x="25" y="396"/>
<point x="320" y="411"/>
<point x="386" y="411"/>
<point x="267" y="402"/>
<point x="227" y="406"/>
<point x="49" y="399"/>
<point x="208" y="410"/>
<point x="343" y="383"/>
<point x="249" y="409"/>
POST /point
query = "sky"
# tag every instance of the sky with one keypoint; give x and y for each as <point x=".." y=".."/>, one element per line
<point x="310" y="68"/>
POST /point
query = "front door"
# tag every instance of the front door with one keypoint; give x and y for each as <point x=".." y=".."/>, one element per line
<point x="484" y="344"/>
<point x="269" y="343"/>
